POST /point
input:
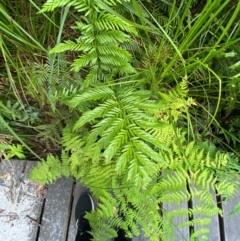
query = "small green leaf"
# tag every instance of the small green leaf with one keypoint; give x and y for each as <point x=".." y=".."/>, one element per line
<point x="236" y="209"/>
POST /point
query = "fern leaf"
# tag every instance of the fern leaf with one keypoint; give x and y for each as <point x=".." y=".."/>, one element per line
<point x="115" y="145"/>
<point x="92" y="115"/>
<point x="50" y="5"/>
<point x="236" y="209"/>
<point x="108" y="21"/>
<point x="92" y="94"/>
<point x="111" y="37"/>
<point x="72" y="46"/>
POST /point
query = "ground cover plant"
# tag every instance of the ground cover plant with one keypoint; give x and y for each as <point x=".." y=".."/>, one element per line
<point x="141" y="98"/>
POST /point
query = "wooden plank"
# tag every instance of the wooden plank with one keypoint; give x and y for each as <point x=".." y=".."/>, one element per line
<point x="8" y="165"/>
<point x="39" y="205"/>
<point x="231" y="223"/>
<point x="78" y="190"/>
<point x="56" y="211"/>
<point x="214" y="233"/>
<point x="180" y="233"/>
<point x="140" y="238"/>
<point x="28" y="167"/>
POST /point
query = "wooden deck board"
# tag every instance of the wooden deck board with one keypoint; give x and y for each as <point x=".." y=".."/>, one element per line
<point x="214" y="233"/>
<point x="39" y="206"/>
<point x="231" y="223"/>
<point x="140" y="238"/>
<point x="181" y="233"/>
<point x="78" y="189"/>
<point x="56" y="211"/>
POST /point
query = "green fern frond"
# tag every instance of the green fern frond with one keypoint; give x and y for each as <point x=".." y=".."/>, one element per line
<point x="92" y="94"/>
<point x="72" y="46"/>
<point x="111" y="37"/>
<point x="101" y="33"/>
<point x="114" y="2"/>
<point x="122" y="129"/>
<point x="50" y="5"/>
<point x="236" y="209"/>
<point x="129" y="145"/>
<point x="93" y="114"/>
<point x="202" y="232"/>
<point x="11" y="150"/>
<point x="47" y="171"/>
<point x="108" y="21"/>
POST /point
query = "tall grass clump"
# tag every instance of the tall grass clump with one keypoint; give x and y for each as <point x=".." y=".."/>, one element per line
<point x="30" y="79"/>
<point x="138" y="100"/>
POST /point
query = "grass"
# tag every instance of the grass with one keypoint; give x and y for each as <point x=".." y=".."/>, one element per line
<point x="196" y="47"/>
<point x="29" y="74"/>
<point x="193" y="48"/>
<point x="183" y="54"/>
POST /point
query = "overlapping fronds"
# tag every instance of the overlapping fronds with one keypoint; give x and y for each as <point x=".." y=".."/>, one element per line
<point x="120" y="132"/>
<point x="98" y="44"/>
<point x="130" y="141"/>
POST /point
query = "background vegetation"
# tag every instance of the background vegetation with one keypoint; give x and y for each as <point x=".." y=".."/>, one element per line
<point x="145" y="92"/>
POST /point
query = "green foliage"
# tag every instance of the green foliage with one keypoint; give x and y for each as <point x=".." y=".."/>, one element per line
<point x="9" y="151"/>
<point x="105" y="160"/>
<point x="100" y="35"/>
<point x="31" y="82"/>
<point x="19" y="113"/>
<point x="49" y="170"/>
<point x="146" y="117"/>
<point x="134" y="142"/>
<point x="236" y="209"/>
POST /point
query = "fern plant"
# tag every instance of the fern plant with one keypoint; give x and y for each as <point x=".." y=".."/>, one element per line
<point x="132" y="141"/>
<point x="8" y="151"/>
<point x="122" y="157"/>
<point x="100" y="35"/>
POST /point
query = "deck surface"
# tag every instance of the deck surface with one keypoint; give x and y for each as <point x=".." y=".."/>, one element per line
<point x="56" y="214"/>
<point x="56" y="211"/>
<point x="19" y="197"/>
